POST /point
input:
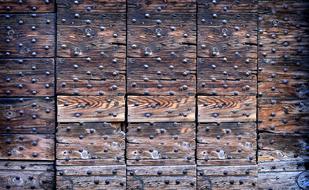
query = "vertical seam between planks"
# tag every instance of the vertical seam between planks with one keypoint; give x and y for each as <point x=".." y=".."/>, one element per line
<point x="257" y="83"/>
<point x="126" y="99"/>
<point x="55" y="96"/>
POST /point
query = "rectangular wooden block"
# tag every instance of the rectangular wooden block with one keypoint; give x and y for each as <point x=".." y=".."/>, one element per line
<point x="93" y="177"/>
<point x="104" y="142"/>
<point x="221" y="76"/>
<point x="27" y="147"/>
<point x="27" y="35"/>
<point x="162" y="177"/>
<point x="161" y="108"/>
<point x="91" y="108"/>
<point x="26" y="175"/>
<point x="35" y="6"/>
<point x="27" y="77"/>
<point x="91" y="35"/>
<point x="226" y="143"/>
<point x="161" y="76"/>
<point x="160" y="143"/>
<point x="227" y="177"/>
<point x="227" y="6"/>
<point x="226" y="108"/>
<point x="27" y="115"/>
<point x="288" y="116"/>
<point x="95" y="76"/>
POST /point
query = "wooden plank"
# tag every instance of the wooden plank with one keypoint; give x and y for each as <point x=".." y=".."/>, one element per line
<point x="91" y="108"/>
<point x="89" y="6"/>
<point x="95" y="141"/>
<point x="226" y="76"/>
<point x="176" y="143"/>
<point x="163" y="177"/>
<point x="280" y="147"/>
<point x="279" y="180"/>
<point x="285" y="7"/>
<point x="226" y="108"/>
<point x="26" y="175"/>
<point x="37" y="6"/>
<point x="282" y="166"/>
<point x="287" y="116"/>
<point x="227" y="177"/>
<point x="161" y="108"/>
<point x="161" y="6"/>
<point x="26" y="147"/>
<point x="77" y="76"/>
<point x="226" y="144"/>
<point x="27" y="115"/>
<point x="27" y="77"/>
<point x="94" y="177"/>
<point x="91" y="34"/>
<point x="26" y="35"/>
<point x="226" y="6"/>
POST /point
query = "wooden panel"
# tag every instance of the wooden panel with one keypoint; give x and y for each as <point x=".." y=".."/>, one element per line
<point x="25" y="35"/>
<point x="227" y="177"/>
<point x="161" y="108"/>
<point x="161" y="76"/>
<point x="26" y="175"/>
<point x="162" y="177"/>
<point x="26" y="147"/>
<point x="93" y="177"/>
<point x="91" y="35"/>
<point x="27" y="77"/>
<point x="276" y="147"/>
<point x="90" y="6"/>
<point x="27" y="115"/>
<point x="95" y="141"/>
<point x="87" y="76"/>
<point x="226" y="144"/>
<point x="160" y="143"/>
<point x="12" y="6"/>
<point x="279" y="180"/>
<point x="226" y="108"/>
<point x="226" y="76"/>
<point x="227" y="6"/>
<point x="90" y="108"/>
<point x="283" y="115"/>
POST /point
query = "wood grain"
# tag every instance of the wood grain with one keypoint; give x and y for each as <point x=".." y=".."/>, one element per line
<point x="90" y="108"/>
<point x="161" y="108"/>
<point x="37" y="6"/>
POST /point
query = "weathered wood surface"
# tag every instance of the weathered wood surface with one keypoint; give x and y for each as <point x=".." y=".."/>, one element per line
<point x="226" y="108"/>
<point x="26" y="175"/>
<point x="163" y="177"/>
<point x="27" y="147"/>
<point x="25" y="35"/>
<point x="161" y="108"/>
<point x="227" y="6"/>
<point x="91" y="76"/>
<point x="27" y="77"/>
<point x="226" y="144"/>
<point x="91" y="108"/>
<point x="93" y="177"/>
<point x="27" y="115"/>
<point x="227" y="177"/>
<point x="160" y="143"/>
<point x="95" y="141"/>
<point x="36" y="6"/>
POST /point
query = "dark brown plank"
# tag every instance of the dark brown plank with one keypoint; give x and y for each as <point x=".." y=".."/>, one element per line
<point x="227" y="177"/>
<point x="161" y="108"/>
<point x="37" y="6"/>
<point x="93" y="177"/>
<point x="90" y="6"/>
<point x="26" y="175"/>
<point x="163" y="177"/>
<point x="226" y="108"/>
<point x="226" y="144"/>
<point x="27" y="115"/>
<point x="95" y="141"/>
<point x="25" y="35"/>
<point x="287" y="116"/>
<point x="27" y="77"/>
<point x="160" y="143"/>
<point x="27" y="147"/>
<point x="227" y="6"/>
<point x="91" y="76"/>
<point x="91" y="108"/>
